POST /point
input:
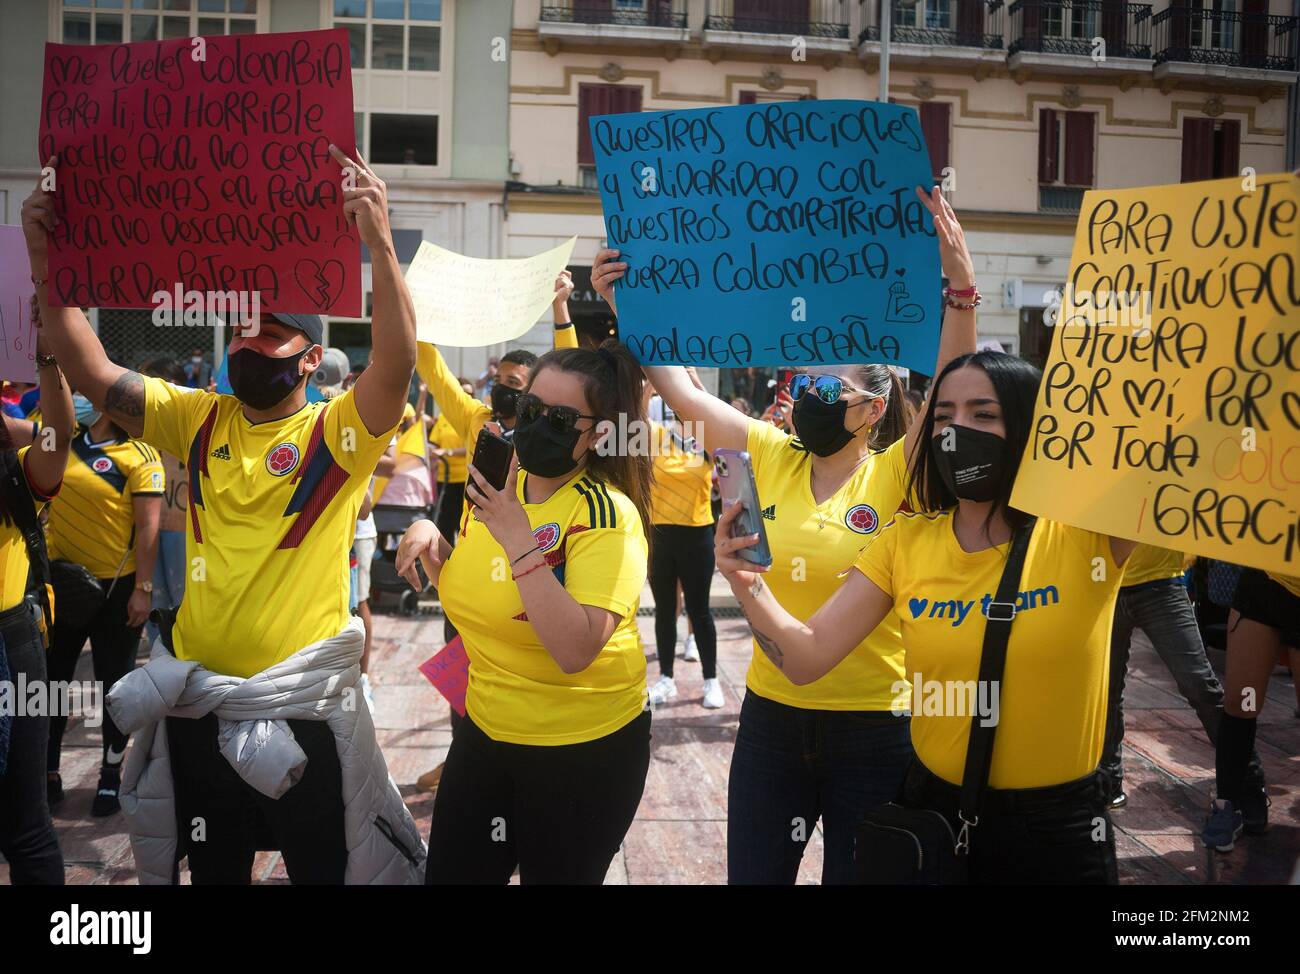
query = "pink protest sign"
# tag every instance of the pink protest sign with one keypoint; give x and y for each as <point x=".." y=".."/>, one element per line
<point x="17" y="333"/>
<point x="202" y="162"/>
<point x="448" y="671"/>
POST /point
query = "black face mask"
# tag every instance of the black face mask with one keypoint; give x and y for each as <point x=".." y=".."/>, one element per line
<point x="820" y="425"/>
<point x="260" y="381"/>
<point x="974" y="468"/>
<point x="503" y="400"/>
<point x="542" y="450"/>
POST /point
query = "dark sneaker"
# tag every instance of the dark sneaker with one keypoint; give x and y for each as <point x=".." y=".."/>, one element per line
<point x="53" y="788"/>
<point x="1118" y="801"/>
<point x="1254" y="812"/>
<point x="1222" y="827"/>
<point x="110" y="781"/>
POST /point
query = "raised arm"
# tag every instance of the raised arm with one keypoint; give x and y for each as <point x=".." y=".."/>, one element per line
<point x="462" y="410"/>
<point x="49" y="455"/>
<point x="118" y="392"/>
<point x="566" y="335"/>
<point x="382" y="388"/>
<point x="957" y="334"/>
<point x="804" y="652"/>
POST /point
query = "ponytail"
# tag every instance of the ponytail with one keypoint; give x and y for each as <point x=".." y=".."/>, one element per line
<point x="883" y="382"/>
<point x="612" y="381"/>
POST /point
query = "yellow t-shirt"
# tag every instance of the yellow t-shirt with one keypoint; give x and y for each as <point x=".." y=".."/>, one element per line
<point x="813" y="546"/>
<point x="683" y="479"/>
<point x="1149" y="564"/>
<point x="595" y="545"/>
<point x="1051" y="704"/>
<point x="1291" y="584"/>
<point x="272" y="509"/>
<point x="465" y="413"/>
<point x="444" y="436"/>
<point x="93" y="521"/>
<point x="14" y="563"/>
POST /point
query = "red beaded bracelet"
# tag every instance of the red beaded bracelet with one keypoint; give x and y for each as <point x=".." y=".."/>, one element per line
<point x="515" y="578"/>
<point x="949" y="294"/>
<point x="965" y="292"/>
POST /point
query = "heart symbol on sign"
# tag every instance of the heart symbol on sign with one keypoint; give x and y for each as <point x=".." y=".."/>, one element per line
<point x="917" y="606"/>
<point x="321" y="282"/>
<point x="901" y="271"/>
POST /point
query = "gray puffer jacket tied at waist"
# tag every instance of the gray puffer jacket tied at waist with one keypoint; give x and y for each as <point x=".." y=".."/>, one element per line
<point x="316" y="683"/>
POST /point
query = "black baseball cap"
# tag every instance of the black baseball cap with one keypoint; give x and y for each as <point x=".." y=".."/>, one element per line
<point x="309" y="325"/>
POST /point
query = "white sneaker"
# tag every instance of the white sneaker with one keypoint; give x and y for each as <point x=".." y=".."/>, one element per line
<point x="663" y="691"/>
<point x="367" y="693"/>
<point x="713" y="698"/>
<point x="692" y="655"/>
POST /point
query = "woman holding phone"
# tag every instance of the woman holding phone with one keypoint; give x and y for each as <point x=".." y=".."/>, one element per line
<point x="833" y="747"/>
<point x="1044" y="815"/>
<point x="547" y="768"/>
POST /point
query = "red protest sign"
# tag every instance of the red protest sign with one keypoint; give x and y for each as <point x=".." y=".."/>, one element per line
<point x="448" y="671"/>
<point x="202" y="162"/>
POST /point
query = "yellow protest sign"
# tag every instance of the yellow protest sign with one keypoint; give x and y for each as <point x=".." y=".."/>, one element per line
<point x="472" y="302"/>
<point x="1169" y="410"/>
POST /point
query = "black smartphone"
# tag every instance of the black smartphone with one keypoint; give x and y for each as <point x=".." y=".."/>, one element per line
<point x="492" y="456"/>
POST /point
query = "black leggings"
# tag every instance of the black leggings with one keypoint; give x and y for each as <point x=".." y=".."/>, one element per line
<point x="113" y="645"/>
<point x="683" y="553"/>
<point x="449" y="511"/>
<point x="27" y="839"/>
<point x="559" y="813"/>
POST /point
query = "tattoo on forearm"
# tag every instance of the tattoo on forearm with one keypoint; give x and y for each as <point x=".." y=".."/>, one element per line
<point x="126" y="396"/>
<point x="768" y="645"/>
<point x="757" y="588"/>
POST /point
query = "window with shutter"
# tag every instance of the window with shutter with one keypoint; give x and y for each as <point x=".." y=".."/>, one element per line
<point x="596" y="100"/>
<point x="1049" y="139"/>
<point x="1211" y="149"/>
<point x="1080" y="137"/>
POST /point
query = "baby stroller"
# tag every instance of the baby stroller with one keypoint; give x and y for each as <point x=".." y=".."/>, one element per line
<point x="391" y="522"/>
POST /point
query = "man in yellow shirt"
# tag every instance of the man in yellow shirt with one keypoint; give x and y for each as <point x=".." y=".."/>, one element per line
<point x="275" y="487"/>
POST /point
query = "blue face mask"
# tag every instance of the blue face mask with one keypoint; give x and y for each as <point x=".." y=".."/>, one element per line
<point x="85" y="411"/>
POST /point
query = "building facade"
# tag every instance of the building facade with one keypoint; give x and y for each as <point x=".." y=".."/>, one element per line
<point x="1024" y="106"/>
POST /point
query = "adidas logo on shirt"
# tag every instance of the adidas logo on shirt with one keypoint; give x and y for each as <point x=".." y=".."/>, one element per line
<point x="770" y="513"/>
<point x="221" y="453"/>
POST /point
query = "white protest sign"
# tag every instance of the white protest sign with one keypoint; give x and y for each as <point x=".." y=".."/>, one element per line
<point x="471" y="302"/>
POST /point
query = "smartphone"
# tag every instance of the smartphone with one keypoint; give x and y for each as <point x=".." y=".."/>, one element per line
<point x="736" y="483"/>
<point x="492" y="456"/>
<point x="783" y="378"/>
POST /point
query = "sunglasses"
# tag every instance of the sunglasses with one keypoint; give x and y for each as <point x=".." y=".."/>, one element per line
<point x="828" y="388"/>
<point x="562" y="419"/>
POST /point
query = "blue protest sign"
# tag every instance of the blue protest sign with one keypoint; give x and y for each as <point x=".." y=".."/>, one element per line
<point x="786" y="233"/>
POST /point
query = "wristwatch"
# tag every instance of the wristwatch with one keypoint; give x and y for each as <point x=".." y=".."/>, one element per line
<point x="146" y="585"/>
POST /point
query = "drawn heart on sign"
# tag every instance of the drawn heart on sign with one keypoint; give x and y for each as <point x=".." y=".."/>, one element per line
<point x="917" y="606"/>
<point x="322" y="282"/>
<point x="901" y="271"/>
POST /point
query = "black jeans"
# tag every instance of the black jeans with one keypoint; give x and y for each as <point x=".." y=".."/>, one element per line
<point x="559" y="813"/>
<point x="791" y="767"/>
<point x="113" y="646"/>
<point x="683" y="553"/>
<point x="1056" y="835"/>
<point x="27" y="837"/>
<point x="223" y="821"/>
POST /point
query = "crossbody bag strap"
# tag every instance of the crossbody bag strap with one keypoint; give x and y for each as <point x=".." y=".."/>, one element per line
<point x="993" y="659"/>
<point x="22" y="509"/>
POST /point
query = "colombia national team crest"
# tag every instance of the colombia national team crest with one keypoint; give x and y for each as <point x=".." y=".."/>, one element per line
<point x="102" y="465"/>
<point x="547" y="536"/>
<point x="861" y="518"/>
<point x="282" y="459"/>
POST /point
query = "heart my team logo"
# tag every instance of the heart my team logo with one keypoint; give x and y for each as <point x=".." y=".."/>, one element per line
<point x="102" y="465"/>
<point x="282" y="459"/>
<point x="547" y="536"/>
<point x="917" y="606"/>
<point x="862" y="518"/>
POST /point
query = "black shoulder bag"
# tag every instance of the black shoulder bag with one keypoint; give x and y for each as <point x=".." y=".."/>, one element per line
<point x="899" y="846"/>
<point x="18" y="499"/>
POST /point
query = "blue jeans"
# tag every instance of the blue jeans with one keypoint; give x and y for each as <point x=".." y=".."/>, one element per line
<point x="1164" y="612"/>
<point x="169" y="570"/>
<point x="792" y="766"/>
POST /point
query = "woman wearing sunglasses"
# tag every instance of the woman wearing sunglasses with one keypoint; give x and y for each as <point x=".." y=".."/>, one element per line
<point x="1044" y="814"/>
<point x="547" y="769"/>
<point x="832" y="747"/>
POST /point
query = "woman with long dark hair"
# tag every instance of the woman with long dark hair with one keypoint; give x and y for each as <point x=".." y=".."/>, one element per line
<point x="1044" y="816"/>
<point x="547" y="768"/>
<point x="831" y="748"/>
<point x="27" y="839"/>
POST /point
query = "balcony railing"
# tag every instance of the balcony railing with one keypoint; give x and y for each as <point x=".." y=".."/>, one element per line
<point x="648" y="13"/>
<point x="1227" y="38"/>
<point x="806" y="18"/>
<point x="938" y="23"/>
<point x="1073" y="27"/>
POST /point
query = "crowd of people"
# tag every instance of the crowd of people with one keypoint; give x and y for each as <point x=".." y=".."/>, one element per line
<point x="248" y="531"/>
